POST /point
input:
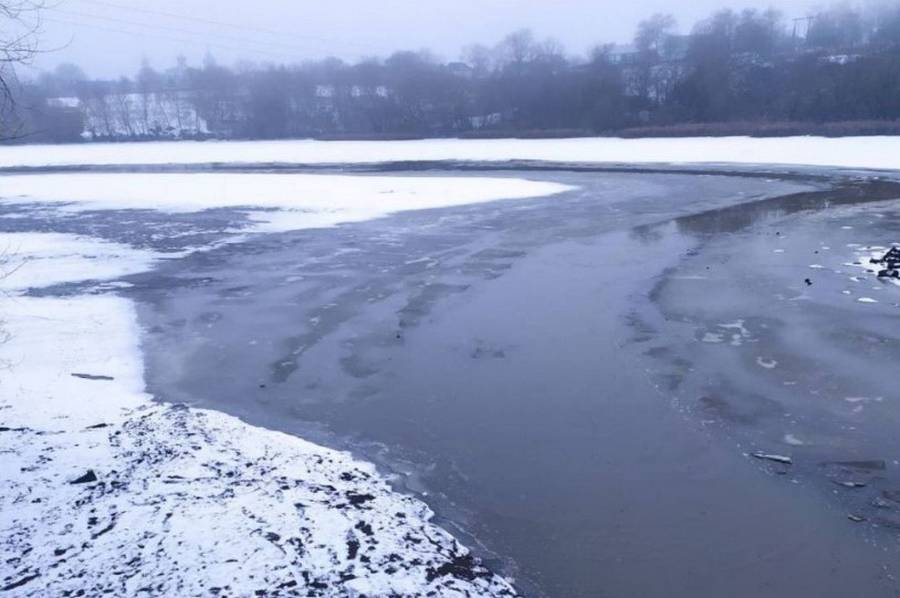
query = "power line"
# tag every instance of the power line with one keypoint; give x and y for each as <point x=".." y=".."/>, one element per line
<point x="230" y="38"/>
<point x="244" y="27"/>
<point x="161" y="36"/>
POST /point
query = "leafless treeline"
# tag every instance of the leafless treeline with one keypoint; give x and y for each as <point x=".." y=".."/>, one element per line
<point x="734" y="67"/>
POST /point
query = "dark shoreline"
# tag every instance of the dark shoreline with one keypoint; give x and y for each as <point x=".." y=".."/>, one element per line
<point x="759" y="129"/>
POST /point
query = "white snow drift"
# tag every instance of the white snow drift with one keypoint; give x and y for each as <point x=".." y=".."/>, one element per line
<point x="848" y="152"/>
<point x="108" y="493"/>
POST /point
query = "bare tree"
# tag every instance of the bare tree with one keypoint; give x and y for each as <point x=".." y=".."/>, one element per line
<point x="653" y="32"/>
<point x="652" y="78"/>
<point x="20" y="24"/>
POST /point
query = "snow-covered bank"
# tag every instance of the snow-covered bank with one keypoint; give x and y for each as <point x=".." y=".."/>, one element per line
<point x="106" y="492"/>
<point x="297" y="200"/>
<point x="847" y="152"/>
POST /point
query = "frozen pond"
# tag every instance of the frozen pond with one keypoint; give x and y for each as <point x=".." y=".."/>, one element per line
<point x="575" y="382"/>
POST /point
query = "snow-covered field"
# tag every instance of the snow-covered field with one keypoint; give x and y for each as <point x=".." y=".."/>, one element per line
<point x="107" y="491"/>
<point x="848" y="152"/>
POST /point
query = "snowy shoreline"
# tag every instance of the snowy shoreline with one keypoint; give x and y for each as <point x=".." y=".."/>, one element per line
<point x="108" y="491"/>
<point x="845" y="152"/>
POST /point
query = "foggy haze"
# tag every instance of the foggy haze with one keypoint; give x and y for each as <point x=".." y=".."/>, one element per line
<point x="109" y="38"/>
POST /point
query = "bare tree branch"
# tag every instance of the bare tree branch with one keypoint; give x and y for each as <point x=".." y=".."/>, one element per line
<point x="20" y="28"/>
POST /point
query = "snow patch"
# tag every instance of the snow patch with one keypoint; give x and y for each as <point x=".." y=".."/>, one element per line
<point x="275" y="202"/>
<point x="864" y="256"/>
<point x="768" y="364"/>
<point x="741" y="336"/>
<point x="792" y="440"/>
<point x="42" y="259"/>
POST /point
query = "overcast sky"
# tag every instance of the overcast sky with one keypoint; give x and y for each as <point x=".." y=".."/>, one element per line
<point x="110" y="37"/>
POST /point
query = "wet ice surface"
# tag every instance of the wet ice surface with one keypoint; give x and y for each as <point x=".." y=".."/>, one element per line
<point x="504" y="360"/>
<point x="812" y="377"/>
<point x="575" y="384"/>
